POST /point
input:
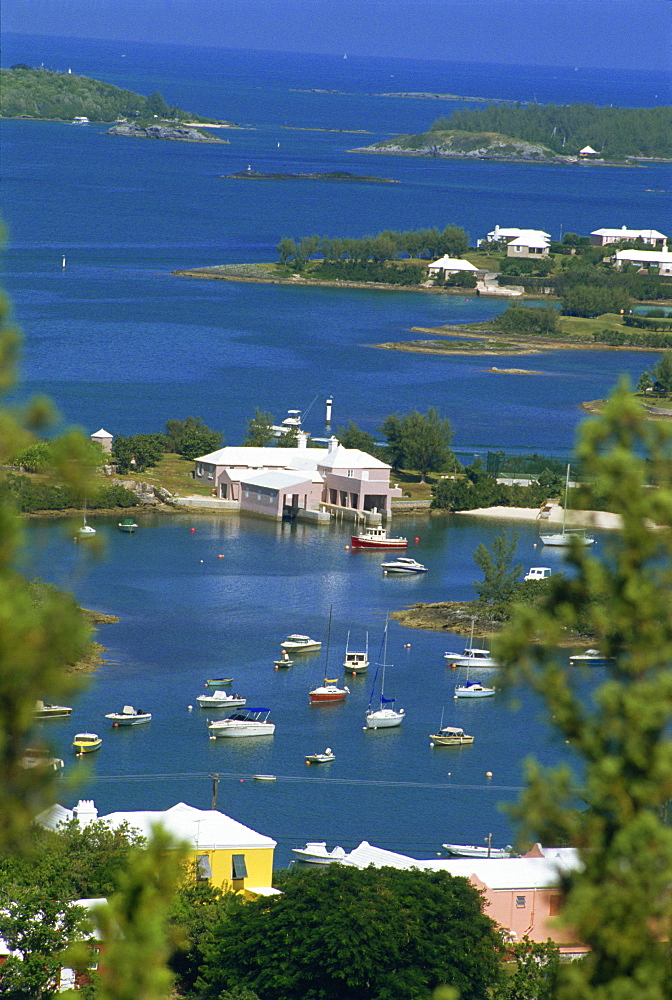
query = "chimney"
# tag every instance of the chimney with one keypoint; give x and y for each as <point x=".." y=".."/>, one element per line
<point x="333" y="445"/>
<point x="302" y="440"/>
<point x="85" y="812"/>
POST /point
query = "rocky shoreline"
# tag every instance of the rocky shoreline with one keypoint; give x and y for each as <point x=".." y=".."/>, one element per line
<point x="173" y="133"/>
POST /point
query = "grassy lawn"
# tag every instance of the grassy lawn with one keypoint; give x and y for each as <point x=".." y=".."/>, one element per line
<point x="173" y="473"/>
<point x="578" y="326"/>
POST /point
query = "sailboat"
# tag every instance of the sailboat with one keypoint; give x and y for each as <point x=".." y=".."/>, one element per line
<point x="329" y="691"/>
<point x="386" y="715"/>
<point x="565" y="536"/>
<point x="86" y="530"/>
<point x="472" y="689"/>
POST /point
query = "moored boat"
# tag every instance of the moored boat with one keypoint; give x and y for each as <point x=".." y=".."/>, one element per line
<point x="86" y="743"/>
<point x="375" y="537"/>
<point x="218" y="682"/>
<point x="473" y="689"/>
<point x="300" y="644"/>
<point x="127" y="526"/>
<point x="356" y="661"/>
<point x="316" y="853"/>
<point x="321" y="758"/>
<point x="37" y="758"/>
<point x="220" y="699"/>
<point x="43" y="710"/>
<point x="473" y="851"/>
<point x="129" y="716"/>
<point x="386" y="716"/>
<point x="471" y="656"/>
<point x="592" y="656"/>
<point x="450" y="736"/>
<point x="251" y="722"/>
<point x="568" y="536"/>
<point x="403" y="564"/>
<point x="328" y="691"/>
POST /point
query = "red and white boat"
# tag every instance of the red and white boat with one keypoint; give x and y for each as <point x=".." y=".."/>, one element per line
<point x="329" y="691"/>
<point x="375" y="537"/>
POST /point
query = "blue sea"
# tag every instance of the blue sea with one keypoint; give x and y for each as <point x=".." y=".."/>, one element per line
<point x="117" y="341"/>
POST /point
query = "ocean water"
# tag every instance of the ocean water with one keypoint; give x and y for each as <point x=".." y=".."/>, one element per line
<point x="117" y="341"/>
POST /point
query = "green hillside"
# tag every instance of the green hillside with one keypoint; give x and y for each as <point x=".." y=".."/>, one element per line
<point x="41" y="93"/>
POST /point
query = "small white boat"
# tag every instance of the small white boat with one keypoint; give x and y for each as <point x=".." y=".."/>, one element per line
<point x="404" y="564"/>
<point x="265" y="777"/>
<point x="220" y="699"/>
<point x="284" y="661"/>
<point x="471" y="656"/>
<point x="300" y="644"/>
<point x="86" y="743"/>
<point x="86" y="530"/>
<point x="356" y="661"/>
<point x="472" y="851"/>
<point x="129" y="716"/>
<point x="218" y="682"/>
<point x="251" y="722"/>
<point x="592" y="656"/>
<point x="537" y="573"/>
<point x="316" y="853"/>
<point x="386" y="716"/>
<point x="127" y="526"/>
<point x="43" y="710"/>
<point x="321" y="758"/>
<point x="375" y="537"/>
<point x="450" y="736"/>
<point x="473" y="689"/>
<point x="328" y="691"/>
<point x="567" y="536"/>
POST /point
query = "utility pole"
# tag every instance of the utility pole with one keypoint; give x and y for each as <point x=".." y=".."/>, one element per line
<point x="215" y="789"/>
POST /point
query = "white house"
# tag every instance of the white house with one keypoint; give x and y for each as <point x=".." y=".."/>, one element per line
<point x="504" y="234"/>
<point x="450" y="265"/>
<point x="277" y="482"/>
<point x="602" y="237"/>
<point x="530" y="243"/>
<point x="645" y="259"/>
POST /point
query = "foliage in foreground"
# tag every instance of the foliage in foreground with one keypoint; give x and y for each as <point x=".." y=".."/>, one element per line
<point x="376" y="933"/>
<point x="620" y="904"/>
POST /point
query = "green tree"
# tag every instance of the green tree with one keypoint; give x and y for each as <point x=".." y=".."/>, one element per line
<point x="352" y="436"/>
<point x="534" y="974"/>
<point x="259" y="429"/>
<point x="425" y="441"/>
<point x="321" y="939"/>
<point x="500" y="576"/>
<point x="619" y="903"/>
<point x="286" y="250"/>
<point x="394" y="449"/>
<point x="137" y="453"/>
<point x="197" y="909"/>
<point x="662" y="373"/>
<point x="35" y="458"/>
<point x="191" y="438"/>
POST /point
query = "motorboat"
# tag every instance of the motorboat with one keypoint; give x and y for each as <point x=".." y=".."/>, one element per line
<point x="129" y="716"/>
<point x="128" y="526"/>
<point x="300" y="644"/>
<point x="220" y="699"/>
<point x="218" y="682"/>
<point x="264" y="777"/>
<point x="568" y="536"/>
<point x="591" y="656"/>
<point x="403" y="564"/>
<point x="321" y="758"/>
<point x="43" y="710"/>
<point x="328" y="691"/>
<point x="375" y="537"/>
<point x="386" y="716"/>
<point x="473" y="851"/>
<point x="37" y="758"/>
<point x="251" y="722"/>
<point x="537" y="573"/>
<point x="86" y="743"/>
<point x="356" y="661"/>
<point x="316" y="853"/>
<point x="450" y="736"/>
<point x="471" y="656"/>
<point x="284" y="661"/>
<point x="473" y="689"/>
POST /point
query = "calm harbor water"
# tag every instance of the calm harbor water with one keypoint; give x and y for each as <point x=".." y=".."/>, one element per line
<point x="117" y="341"/>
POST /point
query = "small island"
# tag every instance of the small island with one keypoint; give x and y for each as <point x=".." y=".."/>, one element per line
<point x="175" y="133"/>
<point x="340" y="176"/>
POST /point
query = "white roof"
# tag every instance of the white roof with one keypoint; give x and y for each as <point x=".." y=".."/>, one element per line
<point x="295" y="459"/>
<point x="645" y="256"/>
<point x="207" y="829"/>
<point x="349" y="458"/>
<point x="530" y="238"/>
<point x="587" y="151"/>
<point x="366" y="854"/>
<point x="276" y="479"/>
<point x="630" y="234"/>
<point x="499" y="233"/>
<point x="102" y="433"/>
<point x="453" y="264"/>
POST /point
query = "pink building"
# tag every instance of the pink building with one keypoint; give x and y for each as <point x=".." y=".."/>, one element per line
<point x="280" y="482"/>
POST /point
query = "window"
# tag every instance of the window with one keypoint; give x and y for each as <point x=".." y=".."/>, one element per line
<point x="520" y="902"/>
<point x="238" y="866"/>
<point x="350" y="473"/>
<point x="554" y="904"/>
<point x="203" y="867"/>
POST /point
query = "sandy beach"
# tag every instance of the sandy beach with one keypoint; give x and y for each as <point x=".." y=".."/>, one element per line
<point x="575" y="518"/>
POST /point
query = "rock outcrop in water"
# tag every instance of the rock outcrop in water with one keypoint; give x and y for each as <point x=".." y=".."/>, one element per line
<point x="177" y="133"/>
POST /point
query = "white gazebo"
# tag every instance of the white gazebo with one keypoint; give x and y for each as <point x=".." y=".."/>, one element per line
<point x="450" y="265"/>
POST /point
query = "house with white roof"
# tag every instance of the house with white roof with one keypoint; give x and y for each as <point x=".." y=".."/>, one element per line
<point x="446" y="265"/>
<point x="505" y="234"/>
<point x="646" y="260"/>
<point x="282" y="482"/>
<point x="522" y="895"/>
<point x="227" y="853"/>
<point x="602" y="237"/>
<point x="530" y="243"/>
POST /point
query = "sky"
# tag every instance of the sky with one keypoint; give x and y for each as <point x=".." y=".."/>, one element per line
<point x="609" y="33"/>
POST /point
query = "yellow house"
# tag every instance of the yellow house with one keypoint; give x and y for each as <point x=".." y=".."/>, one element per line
<point x="226" y="853"/>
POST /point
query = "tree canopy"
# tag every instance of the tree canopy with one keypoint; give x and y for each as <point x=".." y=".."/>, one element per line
<point x="323" y="938"/>
<point x="418" y="441"/>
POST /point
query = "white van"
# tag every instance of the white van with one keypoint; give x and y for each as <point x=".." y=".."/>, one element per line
<point x="537" y="573"/>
